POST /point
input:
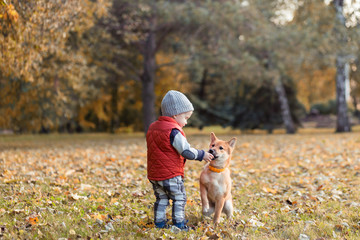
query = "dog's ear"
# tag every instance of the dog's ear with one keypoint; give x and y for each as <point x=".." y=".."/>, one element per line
<point x="212" y="137"/>
<point x="232" y="142"/>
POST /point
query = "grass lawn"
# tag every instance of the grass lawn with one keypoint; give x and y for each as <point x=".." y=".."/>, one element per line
<point x="92" y="186"/>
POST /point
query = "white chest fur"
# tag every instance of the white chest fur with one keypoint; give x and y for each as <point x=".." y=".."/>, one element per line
<point x="217" y="184"/>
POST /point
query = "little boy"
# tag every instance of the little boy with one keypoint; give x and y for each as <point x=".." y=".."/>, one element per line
<point x="167" y="152"/>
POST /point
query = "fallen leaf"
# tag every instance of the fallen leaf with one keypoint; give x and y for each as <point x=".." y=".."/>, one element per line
<point x="100" y="208"/>
<point x="33" y="220"/>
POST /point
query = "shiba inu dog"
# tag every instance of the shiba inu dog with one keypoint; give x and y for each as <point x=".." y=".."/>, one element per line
<point x="215" y="181"/>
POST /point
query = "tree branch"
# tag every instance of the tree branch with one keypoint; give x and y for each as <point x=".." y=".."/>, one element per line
<point x="131" y="67"/>
<point x="173" y="63"/>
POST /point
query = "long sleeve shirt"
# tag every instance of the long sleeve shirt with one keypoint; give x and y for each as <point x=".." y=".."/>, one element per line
<point x="179" y="142"/>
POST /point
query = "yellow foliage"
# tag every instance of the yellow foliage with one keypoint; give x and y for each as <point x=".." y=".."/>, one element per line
<point x="315" y="85"/>
<point x="102" y="7"/>
<point x="10" y="13"/>
<point x="172" y="76"/>
<point x="97" y="107"/>
<point x="81" y="118"/>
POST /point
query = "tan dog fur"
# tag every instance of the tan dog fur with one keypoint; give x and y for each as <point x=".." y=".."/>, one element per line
<point x="215" y="186"/>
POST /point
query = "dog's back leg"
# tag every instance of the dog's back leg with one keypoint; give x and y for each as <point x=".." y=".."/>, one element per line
<point x="228" y="208"/>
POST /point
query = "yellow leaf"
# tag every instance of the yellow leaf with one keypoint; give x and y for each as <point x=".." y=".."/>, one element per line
<point x="100" y="208"/>
<point x="33" y="220"/>
<point x="269" y="190"/>
<point x="98" y="216"/>
<point x="8" y="181"/>
<point x="245" y="145"/>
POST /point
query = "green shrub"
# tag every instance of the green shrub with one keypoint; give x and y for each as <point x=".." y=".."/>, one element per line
<point x="326" y="108"/>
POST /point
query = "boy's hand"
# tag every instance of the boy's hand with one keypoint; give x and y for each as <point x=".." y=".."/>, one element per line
<point x="208" y="157"/>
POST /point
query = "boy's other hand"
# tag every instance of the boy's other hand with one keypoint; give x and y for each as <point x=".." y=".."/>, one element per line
<point x="208" y="157"/>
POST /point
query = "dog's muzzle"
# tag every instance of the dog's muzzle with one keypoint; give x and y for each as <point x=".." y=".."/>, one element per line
<point x="213" y="152"/>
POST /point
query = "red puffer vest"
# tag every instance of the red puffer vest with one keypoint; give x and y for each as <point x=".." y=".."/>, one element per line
<point x="163" y="161"/>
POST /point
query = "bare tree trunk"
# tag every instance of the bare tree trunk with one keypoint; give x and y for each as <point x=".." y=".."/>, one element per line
<point x="342" y="122"/>
<point x="203" y="84"/>
<point x="148" y="80"/>
<point x="114" y="109"/>
<point x="284" y="103"/>
<point x="285" y="109"/>
<point x="355" y="104"/>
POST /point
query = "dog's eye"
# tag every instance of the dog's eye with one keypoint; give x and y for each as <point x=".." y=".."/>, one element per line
<point x="221" y="148"/>
<point x="213" y="145"/>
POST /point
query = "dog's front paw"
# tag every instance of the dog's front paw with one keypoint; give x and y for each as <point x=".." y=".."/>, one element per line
<point x="207" y="212"/>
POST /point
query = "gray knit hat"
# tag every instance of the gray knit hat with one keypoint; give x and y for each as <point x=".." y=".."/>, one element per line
<point x="174" y="103"/>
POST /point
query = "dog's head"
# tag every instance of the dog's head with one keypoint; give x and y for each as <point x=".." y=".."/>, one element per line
<point x="221" y="149"/>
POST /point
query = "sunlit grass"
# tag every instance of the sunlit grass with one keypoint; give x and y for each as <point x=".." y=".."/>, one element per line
<point x="283" y="186"/>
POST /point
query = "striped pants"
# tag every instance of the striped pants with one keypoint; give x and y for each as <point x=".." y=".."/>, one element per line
<point x="173" y="189"/>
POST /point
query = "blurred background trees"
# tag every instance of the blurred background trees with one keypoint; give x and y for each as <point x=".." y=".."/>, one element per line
<point x="104" y="65"/>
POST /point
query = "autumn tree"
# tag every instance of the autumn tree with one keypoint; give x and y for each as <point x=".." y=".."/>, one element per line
<point x="343" y="56"/>
<point x="270" y="43"/>
<point x="147" y="28"/>
<point x="314" y="74"/>
<point x="41" y="75"/>
<point x="243" y="46"/>
<point x="330" y="44"/>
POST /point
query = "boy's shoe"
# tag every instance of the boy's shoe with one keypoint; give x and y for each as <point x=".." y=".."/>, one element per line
<point x="162" y="224"/>
<point x="182" y="225"/>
